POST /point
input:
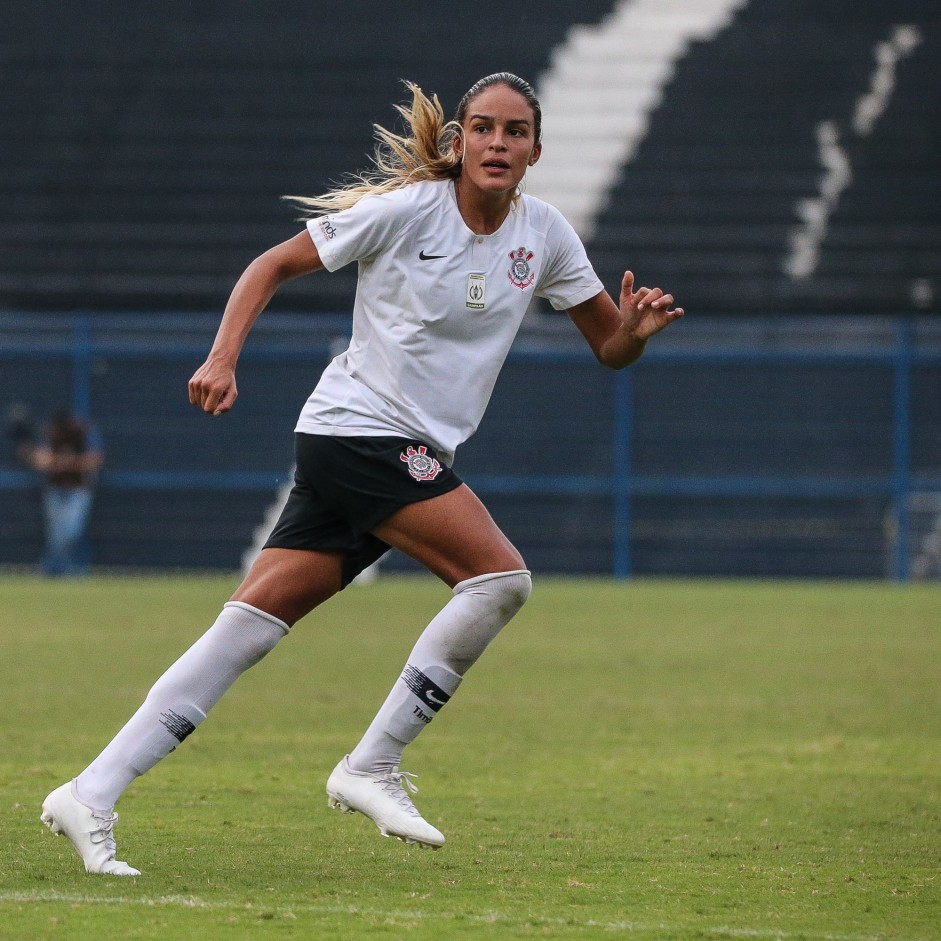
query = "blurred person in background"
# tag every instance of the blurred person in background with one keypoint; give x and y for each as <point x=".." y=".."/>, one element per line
<point x="451" y="255"/>
<point x="69" y="459"/>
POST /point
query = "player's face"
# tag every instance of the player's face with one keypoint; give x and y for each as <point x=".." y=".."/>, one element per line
<point x="498" y="142"/>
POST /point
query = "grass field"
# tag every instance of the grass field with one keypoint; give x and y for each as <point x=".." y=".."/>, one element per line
<point x="650" y="760"/>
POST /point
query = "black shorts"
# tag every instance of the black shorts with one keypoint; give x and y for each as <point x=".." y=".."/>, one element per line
<point x="344" y="487"/>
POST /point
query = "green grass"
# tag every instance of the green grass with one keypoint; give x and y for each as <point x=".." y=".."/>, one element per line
<point x="653" y="760"/>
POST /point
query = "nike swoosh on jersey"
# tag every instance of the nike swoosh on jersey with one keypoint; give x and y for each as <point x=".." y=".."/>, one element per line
<point x="425" y="257"/>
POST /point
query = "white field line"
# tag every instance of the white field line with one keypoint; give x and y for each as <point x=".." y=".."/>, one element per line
<point x="292" y="911"/>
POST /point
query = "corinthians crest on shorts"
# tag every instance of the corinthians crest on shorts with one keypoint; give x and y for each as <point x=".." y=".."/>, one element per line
<point x="520" y="273"/>
<point x="420" y="463"/>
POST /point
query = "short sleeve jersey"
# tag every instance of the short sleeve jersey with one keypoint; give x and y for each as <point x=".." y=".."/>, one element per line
<point x="437" y="308"/>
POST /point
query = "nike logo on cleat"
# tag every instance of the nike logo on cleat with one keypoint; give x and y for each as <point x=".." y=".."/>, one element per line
<point x="425" y="257"/>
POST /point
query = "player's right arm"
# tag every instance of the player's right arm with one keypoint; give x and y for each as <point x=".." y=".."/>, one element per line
<point x="213" y="387"/>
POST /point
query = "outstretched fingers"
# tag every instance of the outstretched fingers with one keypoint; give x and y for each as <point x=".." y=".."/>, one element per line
<point x="644" y="297"/>
<point x="651" y="297"/>
<point x="627" y="283"/>
<point x="628" y="294"/>
<point x="639" y="298"/>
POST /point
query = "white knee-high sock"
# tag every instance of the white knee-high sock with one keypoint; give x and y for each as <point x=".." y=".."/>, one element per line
<point x="180" y="699"/>
<point x="446" y="650"/>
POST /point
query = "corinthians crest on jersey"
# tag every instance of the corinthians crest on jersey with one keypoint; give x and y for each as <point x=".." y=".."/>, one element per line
<point x="520" y="273"/>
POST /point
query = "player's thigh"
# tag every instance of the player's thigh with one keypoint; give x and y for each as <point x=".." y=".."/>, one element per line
<point x="289" y="583"/>
<point x="453" y="535"/>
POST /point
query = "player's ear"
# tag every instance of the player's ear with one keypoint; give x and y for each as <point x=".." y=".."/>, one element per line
<point x="457" y="145"/>
<point x="536" y="154"/>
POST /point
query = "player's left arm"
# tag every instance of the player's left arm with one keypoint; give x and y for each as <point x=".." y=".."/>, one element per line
<point x="213" y="387"/>
<point x="618" y="335"/>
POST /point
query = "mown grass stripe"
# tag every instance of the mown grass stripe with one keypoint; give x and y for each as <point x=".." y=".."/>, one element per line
<point x="188" y="901"/>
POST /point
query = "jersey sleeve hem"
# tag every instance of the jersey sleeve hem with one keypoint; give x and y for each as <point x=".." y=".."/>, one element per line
<point x="578" y="297"/>
<point x="322" y="243"/>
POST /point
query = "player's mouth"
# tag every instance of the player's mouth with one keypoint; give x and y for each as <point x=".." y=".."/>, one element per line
<point x="497" y="166"/>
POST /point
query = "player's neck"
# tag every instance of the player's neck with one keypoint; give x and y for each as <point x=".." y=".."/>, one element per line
<point x="482" y="212"/>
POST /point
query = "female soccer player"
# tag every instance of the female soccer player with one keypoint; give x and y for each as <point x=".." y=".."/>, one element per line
<point x="450" y="255"/>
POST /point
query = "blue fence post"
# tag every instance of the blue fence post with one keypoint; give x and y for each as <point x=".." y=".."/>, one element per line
<point x="901" y="458"/>
<point x="621" y="481"/>
<point x="81" y="367"/>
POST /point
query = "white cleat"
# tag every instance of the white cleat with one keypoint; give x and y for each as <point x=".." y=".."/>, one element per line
<point x="91" y="831"/>
<point x="384" y="799"/>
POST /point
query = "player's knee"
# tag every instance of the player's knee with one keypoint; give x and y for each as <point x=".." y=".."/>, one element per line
<point x="508" y="591"/>
<point x="518" y="589"/>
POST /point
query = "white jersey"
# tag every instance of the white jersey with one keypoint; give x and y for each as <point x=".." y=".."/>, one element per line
<point x="437" y="308"/>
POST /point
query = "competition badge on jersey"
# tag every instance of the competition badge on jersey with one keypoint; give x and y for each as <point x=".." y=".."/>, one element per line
<point x="420" y="464"/>
<point x="520" y="274"/>
<point x="476" y="291"/>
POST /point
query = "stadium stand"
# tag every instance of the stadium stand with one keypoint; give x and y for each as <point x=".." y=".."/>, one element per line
<point x="710" y="201"/>
<point x="142" y="158"/>
<point x="144" y="151"/>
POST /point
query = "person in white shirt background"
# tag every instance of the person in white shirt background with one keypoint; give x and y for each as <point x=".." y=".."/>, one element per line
<point x="451" y="255"/>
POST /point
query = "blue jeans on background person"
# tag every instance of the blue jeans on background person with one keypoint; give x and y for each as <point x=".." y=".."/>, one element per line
<point x="67" y="510"/>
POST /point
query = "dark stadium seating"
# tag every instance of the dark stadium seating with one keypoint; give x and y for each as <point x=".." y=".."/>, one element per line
<point x="144" y="150"/>
<point x="709" y="202"/>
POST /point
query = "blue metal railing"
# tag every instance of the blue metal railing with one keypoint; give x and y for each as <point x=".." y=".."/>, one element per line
<point x="622" y="486"/>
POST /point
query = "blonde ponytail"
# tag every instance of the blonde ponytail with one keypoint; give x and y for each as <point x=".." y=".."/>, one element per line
<point x="424" y="152"/>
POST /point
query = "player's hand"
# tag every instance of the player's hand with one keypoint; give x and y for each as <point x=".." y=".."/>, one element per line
<point x="646" y="311"/>
<point x="213" y="388"/>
